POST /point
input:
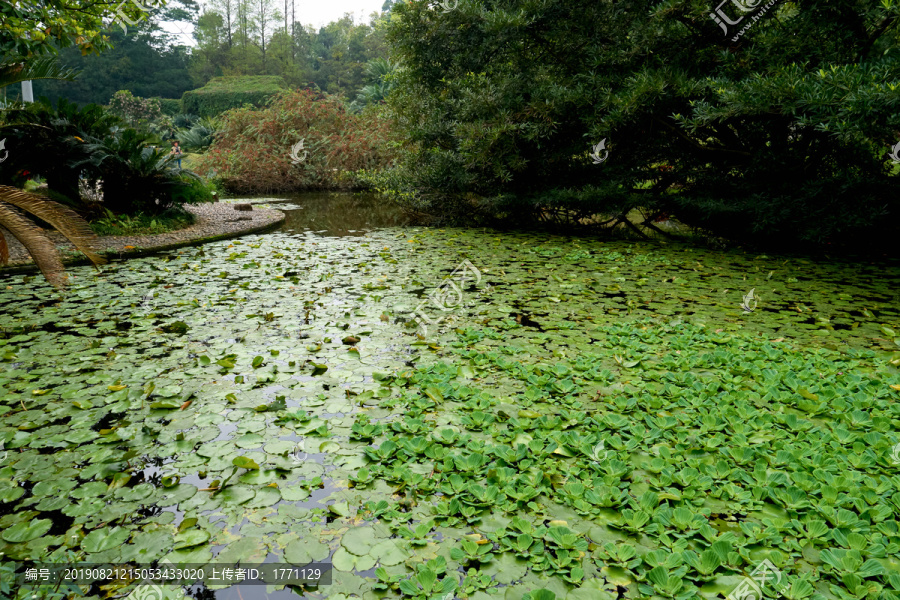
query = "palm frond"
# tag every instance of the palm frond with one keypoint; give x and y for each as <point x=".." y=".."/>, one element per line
<point x="4" y="250"/>
<point x="39" y="246"/>
<point x="66" y="221"/>
<point x="42" y="250"/>
<point x="17" y="70"/>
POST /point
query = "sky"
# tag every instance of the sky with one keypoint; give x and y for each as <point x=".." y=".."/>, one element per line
<point x="317" y="14"/>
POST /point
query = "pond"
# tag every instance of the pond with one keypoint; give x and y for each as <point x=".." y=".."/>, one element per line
<point x="455" y="413"/>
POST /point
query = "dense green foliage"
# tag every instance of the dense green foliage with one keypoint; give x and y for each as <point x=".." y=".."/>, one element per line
<point x="141" y="224"/>
<point x="142" y="61"/>
<point x="781" y="135"/>
<point x="169" y="106"/>
<point x="149" y="62"/>
<point x="333" y="58"/>
<point x="71" y="147"/>
<point x="35" y="28"/>
<point x="300" y="140"/>
<point x="48" y="140"/>
<point x="134" y="110"/>
<point x="199" y="135"/>
<point x="134" y="178"/>
<point x="224" y="93"/>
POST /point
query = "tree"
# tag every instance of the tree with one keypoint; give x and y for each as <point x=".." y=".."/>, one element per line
<point x="781" y="133"/>
<point x="34" y="28"/>
<point x="134" y="110"/>
<point x="265" y="14"/>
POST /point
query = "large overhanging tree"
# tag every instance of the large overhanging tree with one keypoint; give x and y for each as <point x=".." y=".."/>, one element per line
<point x="783" y="131"/>
<point x="31" y="27"/>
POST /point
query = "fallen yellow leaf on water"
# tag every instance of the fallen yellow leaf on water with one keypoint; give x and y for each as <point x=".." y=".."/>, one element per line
<point x="116" y="388"/>
<point x="42" y="392"/>
<point x="896" y="387"/>
<point x="273" y="484"/>
<point x="130" y="247"/>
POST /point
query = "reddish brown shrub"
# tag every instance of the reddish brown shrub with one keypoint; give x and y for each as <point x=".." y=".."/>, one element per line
<point x="252" y="149"/>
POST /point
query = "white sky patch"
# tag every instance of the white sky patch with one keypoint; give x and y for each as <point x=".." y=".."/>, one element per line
<point x="317" y="14"/>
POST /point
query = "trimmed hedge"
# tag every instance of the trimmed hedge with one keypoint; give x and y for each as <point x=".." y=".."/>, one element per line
<point x="169" y="106"/>
<point x="224" y="93"/>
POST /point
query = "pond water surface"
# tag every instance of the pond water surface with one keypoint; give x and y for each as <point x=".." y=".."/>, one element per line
<point x="272" y="399"/>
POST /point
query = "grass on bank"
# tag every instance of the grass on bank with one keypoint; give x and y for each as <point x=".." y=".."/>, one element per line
<point x="142" y="224"/>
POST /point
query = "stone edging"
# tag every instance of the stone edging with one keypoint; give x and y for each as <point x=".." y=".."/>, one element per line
<point x="273" y="219"/>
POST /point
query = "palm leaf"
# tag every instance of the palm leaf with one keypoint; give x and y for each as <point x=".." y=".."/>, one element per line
<point x="42" y="250"/>
<point x="15" y="70"/>
<point x="39" y="246"/>
<point x="64" y="220"/>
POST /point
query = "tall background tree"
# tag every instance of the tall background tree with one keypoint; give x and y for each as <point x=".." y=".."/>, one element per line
<point x="232" y="37"/>
<point x="781" y="133"/>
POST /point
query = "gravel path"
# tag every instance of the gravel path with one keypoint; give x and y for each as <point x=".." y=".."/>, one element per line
<point x="214" y="221"/>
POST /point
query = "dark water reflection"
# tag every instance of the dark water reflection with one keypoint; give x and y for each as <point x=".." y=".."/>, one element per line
<point x="339" y="214"/>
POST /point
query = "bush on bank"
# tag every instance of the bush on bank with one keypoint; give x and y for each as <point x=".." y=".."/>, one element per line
<point x="301" y="140"/>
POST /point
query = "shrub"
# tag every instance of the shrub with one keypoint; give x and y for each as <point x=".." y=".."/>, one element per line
<point x="169" y="106"/>
<point x="184" y="120"/>
<point x="49" y="141"/>
<point x="134" y="110"/>
<point x="141" y="224"/>
<point x="225" y="93"/>
<point x="200" y="136"/>
<point x="136" y="178"/>
<point x="252" y="151"/>
<point x="195" y="191"/>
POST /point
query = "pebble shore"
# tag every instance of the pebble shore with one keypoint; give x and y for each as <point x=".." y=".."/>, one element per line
<point x="215" y="220"/>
